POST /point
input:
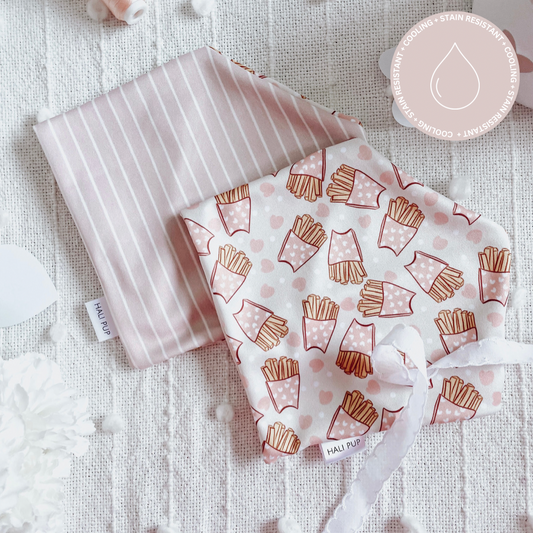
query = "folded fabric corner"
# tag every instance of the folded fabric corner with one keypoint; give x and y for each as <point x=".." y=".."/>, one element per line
<point x="129" y="161"/>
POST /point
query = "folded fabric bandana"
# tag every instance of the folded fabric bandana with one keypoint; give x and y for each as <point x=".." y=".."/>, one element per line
<point x="129" y="161"/>
<point x="312" y="267"/>
<point x="356" y="300"/>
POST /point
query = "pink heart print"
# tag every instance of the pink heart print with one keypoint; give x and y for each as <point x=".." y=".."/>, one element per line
<point x="347" y="304"/>
<point x="365" y="221"/>
<point x="276" y="222"/>
<point x="373" y="387"/>
<point x="299" y="284"/>
<point x="305" y="421"/>
<point x="431" y="198"/>
<point x="365" y="153"/>
<point x="322" y="211"/>
<point x="441" y="218"/>
<point x="486" y="377"/>
<point x="495" y="319"/>
<point x="267" y="291"/>
<point x="316" y="365"/>
<point x="439" y="243"/>
<point x="474" y="236"/>
<point x="256" y="245"/>
<point x="325" y="397"/>
<point x="267" y="189"/>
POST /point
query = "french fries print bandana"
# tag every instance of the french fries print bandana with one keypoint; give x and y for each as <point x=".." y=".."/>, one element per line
<point x="312" y="267"/>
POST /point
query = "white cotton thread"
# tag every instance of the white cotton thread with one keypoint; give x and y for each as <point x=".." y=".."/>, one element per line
<point x="171" y="411"/>
<point x="520" y="318"/>
<point x="388" y="88"/>
<point x="58" y="331"/>
<point x="271" y="55"/>
<point x="113" y="363"/>
<point x="286" y="524"/>
<point x="519" y="297"/>
<point x="158" y="38"/>
<point x="464" y="473"/>
<point x="213" y="19"/>
<point x="113" y="449"/>
<point x="227" y="436"/>
<point x="403" y="480"/>
<point x="331" y="77"/>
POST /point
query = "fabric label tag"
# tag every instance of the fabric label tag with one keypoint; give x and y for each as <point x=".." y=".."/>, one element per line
<point x="100" y="316"/>
<point x="341" y="449"/>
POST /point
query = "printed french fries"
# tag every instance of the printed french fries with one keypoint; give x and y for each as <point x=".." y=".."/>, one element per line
<point x="306" y="177"/>
<point x="234" y="208"/>
<point x="302" y="242"/>
<point x="261" y="325"/>
<point x="279" y="442"/>
<point x="353" y="418"/>
<point x="456" y="401"/>
<point x="494" y="275"/>
<point x="384" y="299"/>
<point x="319" y="321"/>
<point x="399" y="225"/>
<point x="436" y="277"/>
<point x="354" y="188"/>
<point x="283" y="382"/>
<point x="456" y="328"/>
<point x="229" y="272"/>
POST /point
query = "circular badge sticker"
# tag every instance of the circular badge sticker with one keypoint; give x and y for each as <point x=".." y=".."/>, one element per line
<point x="455" y="76"/>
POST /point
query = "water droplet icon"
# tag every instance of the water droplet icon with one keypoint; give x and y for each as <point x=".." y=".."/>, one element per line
<point x="455" y="83"/>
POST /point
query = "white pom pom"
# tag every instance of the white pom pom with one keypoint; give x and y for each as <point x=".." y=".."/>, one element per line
<point x="166" y="529"/>
<point x="519" y="297"/>
<point x="225" y="412"/>
<point x="113" y="423"/>
<point x="5" y="218"/>
<point x="97" y="10"/>
<point x="288" y="525"/>
<point x="57" y="332"/>
<point x="460" y="189"/>
<point x="44" y="114"/>
<point x="529" y="522"/>
<point x="203" y="7"/>
<point x="411" y="524"/>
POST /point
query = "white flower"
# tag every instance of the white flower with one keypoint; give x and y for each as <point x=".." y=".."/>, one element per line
<point x="42" y="423"/>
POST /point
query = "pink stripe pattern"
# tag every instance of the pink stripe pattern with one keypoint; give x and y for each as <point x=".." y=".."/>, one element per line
<point x="129" y="161"/>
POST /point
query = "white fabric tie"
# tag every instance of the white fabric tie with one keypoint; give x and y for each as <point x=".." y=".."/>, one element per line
<point x="388" y="366"/>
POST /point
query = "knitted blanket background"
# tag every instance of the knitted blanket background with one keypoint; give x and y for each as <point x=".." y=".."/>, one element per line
<point x="175" y="462"/>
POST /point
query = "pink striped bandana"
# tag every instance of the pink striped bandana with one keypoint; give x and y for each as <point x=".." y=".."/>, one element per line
<point x="129" y="161"/>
